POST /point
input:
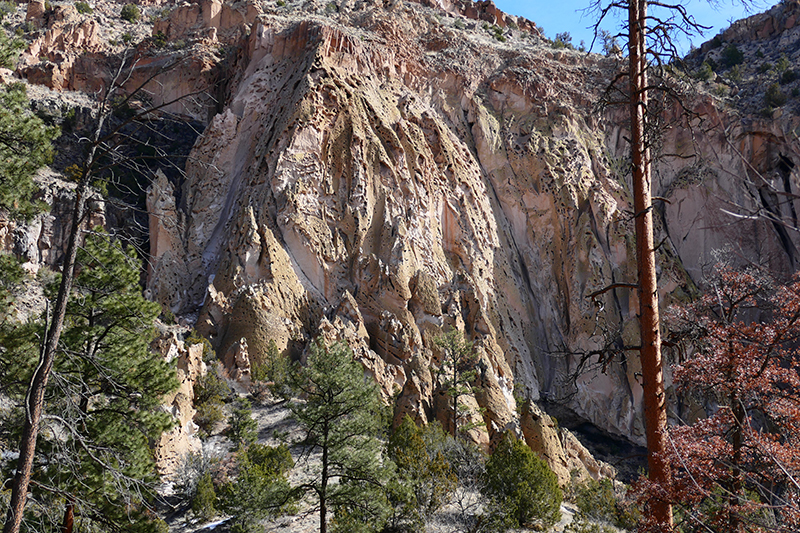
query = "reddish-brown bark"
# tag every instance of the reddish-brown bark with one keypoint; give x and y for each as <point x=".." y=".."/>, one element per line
<point x="655" y="413"/>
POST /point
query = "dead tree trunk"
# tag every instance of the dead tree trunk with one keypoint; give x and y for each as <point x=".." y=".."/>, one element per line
<point x="655" y="413"/>
<point x="34" y="401"/>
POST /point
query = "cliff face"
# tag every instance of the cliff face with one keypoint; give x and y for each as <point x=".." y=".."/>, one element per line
<point x="381" y="172"/>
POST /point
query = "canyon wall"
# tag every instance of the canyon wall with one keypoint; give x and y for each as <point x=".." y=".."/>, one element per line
<point x="381" y="172"/>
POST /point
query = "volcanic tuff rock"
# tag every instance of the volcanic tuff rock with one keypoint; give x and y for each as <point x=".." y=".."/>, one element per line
<point x="384" y="168"/>
<point x="382" y="171"/>
<point x="173" y="446"/>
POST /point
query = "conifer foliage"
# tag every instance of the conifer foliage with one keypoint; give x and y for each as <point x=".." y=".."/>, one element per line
<point x="341" y="421"/>
<point x="738" y="468"/>
<point x="458" y="372"/>
<point x="24" y="148"/>
<point x="423" y="469"/>
<point x="94" y="461"/>
<point x="521" y="487"/>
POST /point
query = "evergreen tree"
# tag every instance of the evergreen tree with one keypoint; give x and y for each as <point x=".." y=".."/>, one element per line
<point x="243" y="429"/>
<point x="260" y="488"/>
<point x="341" y="419"/>
<point x="204" y="502"/>
<point x="521" y="487"/>
<point x="422" y="468"/>
<point x="457" y="373"/>
<point x="25" y="146"/>
<point x="94" y="457"/>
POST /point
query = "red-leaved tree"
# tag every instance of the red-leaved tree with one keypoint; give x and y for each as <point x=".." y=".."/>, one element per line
<point x="737" y="467"/>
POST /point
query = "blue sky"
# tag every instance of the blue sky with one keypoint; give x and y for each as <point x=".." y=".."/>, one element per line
<point x="566" y="16"/>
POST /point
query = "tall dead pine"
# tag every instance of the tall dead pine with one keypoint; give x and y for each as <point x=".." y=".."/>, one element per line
<point x="655" y="413"/>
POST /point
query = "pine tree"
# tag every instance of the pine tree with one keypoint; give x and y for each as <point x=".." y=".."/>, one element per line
<point x="25" y="146"/>
<point x="100" y="144"/>
<point x="94" y="457"/>
<point x="243" y="429"/>
<point x="458" y="372"/>
<point x="423" y="469"/>
<point x="259" y="488"/>
<point x="341" y="419"/>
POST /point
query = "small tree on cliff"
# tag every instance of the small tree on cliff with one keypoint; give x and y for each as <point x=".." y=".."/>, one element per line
<point x="738" y="469"/>
<point x="458" y="371"/>
<point x="340" y="413"/>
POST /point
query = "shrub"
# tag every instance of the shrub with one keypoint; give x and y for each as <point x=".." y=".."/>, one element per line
<point x="127" y="38"/>
<point x="521" y="487"/>
<point x="563" y="40"/>
<point x="608" y="41"/>
<point x="765" y="67"/>
<point x="774" y="97"/>
<point x="260" y="488"/>
<point x="422" y="467"/>
<point x="782" y="65"/>
<point x="130" y="13"/>
<point x="7" y="8"/>
<point x="280" y="3"/>
<point x="705" y="72"/>
<point x="789" y="76"/>
<point x="459" y="24"/>
<point x="599" y="501"/>
<point x="495" y="31"/>
<point x="196" y="338"/>
<point x="9" y="50"/>
<point x="732" y="56"/>
<point x="735" y="74"/>
<point x="205" y="498"/>
<point x="84" y="8"/>
<point x="243" y="430"/>
<point x="160" y="40"/>
<point x="209" y="392"/>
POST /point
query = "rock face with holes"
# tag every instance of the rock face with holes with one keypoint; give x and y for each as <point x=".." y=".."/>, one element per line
<point x="389" y="172"/>
<point x="172" y="448"/>
<point x="380" y="172"/>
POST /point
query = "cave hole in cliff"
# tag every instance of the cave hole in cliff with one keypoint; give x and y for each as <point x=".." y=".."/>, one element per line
<point x="135" y="153"/>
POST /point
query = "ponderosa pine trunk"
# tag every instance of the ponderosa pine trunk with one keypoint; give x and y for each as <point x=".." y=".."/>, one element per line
<point x="655" y="413"/>
<point x="69" y="517"/>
